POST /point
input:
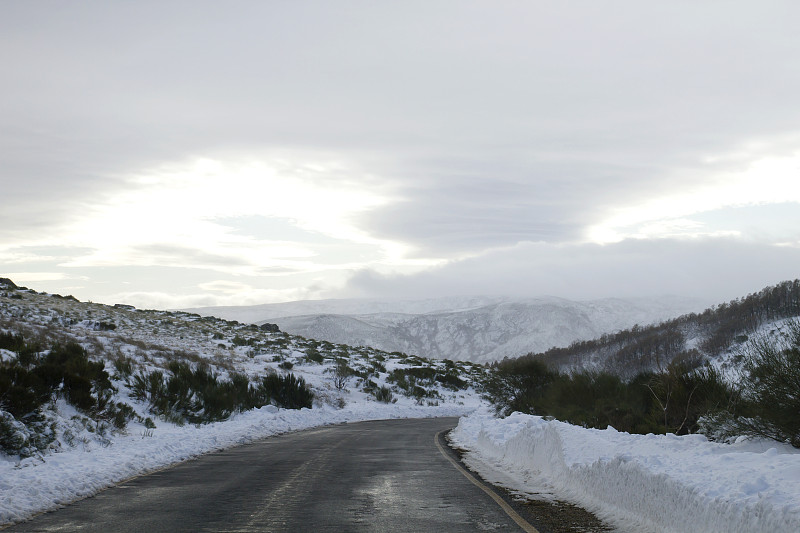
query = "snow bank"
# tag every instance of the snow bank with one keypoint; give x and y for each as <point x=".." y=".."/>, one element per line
<point x="37" y="484"/>
<point x="658" y="483"/>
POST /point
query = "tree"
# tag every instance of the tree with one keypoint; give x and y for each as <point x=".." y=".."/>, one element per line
<point x="770" y="391"/>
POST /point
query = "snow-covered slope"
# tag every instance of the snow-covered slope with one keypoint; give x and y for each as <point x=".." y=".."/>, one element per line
<point x="471" y="329"/>
<point x="637" y="482"/>
<point x="85" y="452"/>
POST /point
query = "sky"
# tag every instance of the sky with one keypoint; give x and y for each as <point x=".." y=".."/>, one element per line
<point x="179" y="154"/>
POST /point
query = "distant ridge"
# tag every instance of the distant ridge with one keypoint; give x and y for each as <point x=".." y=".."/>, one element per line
<point x="474" y="328"/>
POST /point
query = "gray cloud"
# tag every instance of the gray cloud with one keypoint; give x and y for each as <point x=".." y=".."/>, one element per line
<point x="488" y="124"/>
<point x="714" y="269"/>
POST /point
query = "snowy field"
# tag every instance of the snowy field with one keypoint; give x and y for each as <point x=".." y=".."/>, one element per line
<point x="638" y="483"/>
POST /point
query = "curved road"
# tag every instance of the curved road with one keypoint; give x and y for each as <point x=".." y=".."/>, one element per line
<point x="381" y="476"/>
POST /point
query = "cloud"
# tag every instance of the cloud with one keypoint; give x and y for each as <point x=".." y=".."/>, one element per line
<point x="714" y="269"/>
<point x="307" y="141"/>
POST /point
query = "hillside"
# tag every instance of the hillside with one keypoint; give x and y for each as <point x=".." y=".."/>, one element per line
<point x="477" y="329"/>
<point x="693" y="339"/>
<point x="91" y="395"/>
<point x="122" y="367"/>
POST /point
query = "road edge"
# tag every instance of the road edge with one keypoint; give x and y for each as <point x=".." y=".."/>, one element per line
<point x="521" y="522"/>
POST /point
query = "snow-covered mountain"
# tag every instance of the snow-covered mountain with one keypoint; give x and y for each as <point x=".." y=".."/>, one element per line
<point x="479" y="329"/>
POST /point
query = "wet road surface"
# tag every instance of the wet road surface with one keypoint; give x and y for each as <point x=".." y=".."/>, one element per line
<point x="382" y="476"/>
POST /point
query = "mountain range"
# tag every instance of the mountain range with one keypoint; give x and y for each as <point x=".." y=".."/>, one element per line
<point x="477" y="328"/>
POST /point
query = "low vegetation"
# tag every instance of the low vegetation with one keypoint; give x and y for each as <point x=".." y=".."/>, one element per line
<point x="197" y="395"/>
<point x="75" y="373"/>
<point x="36" y="378"/>
<point x="652" y="348"/>
<point x="681" y="399"/>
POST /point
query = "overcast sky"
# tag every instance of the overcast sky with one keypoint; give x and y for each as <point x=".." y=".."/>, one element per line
<point x="177" y="154"/>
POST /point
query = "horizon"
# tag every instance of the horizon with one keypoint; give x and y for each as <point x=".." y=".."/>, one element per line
<point x="267" y="153"/>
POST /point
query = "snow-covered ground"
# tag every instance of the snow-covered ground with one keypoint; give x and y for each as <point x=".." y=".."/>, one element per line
<point x="88" y="455"/>
<point x="658" y="483"/>
<point x="476" y="329"/>
<point x="636" y="482"/>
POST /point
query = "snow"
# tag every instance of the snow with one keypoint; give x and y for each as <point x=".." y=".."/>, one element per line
<point x="87" y="456"/>
<point x="469" y="329"/>
<point x="657" y="483"/>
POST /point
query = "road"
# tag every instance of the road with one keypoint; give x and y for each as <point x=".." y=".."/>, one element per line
<point x="383" y="476"/>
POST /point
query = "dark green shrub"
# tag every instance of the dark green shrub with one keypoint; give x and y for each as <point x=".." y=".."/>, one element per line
<point x="82" y="382"/>
<point x="25" y="437"/>
<point x="197" y="395"/>
<point x="313" y="356"/>
<point x="22" y="393"/>
<point x="11" y="341"/>
<point x="682" y="397"/>
<point x="451" y="380"/>
<point x="124" y="367"/>
<point x="28" y="384"/>
<point x="770" y="392"/>
<point x="383" y="394"/>
<point x="519" y="385"/>
<point x="241" y="341"/>
<point x="286" y="391"/>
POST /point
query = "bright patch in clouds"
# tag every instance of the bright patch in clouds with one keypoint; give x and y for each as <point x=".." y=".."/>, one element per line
<point x="170" y="217"/>
<point x="32" y="277"/>
<point x="770" y="180"/>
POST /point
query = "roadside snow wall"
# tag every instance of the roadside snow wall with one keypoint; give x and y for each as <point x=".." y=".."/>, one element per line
<point x="656" y="483"/>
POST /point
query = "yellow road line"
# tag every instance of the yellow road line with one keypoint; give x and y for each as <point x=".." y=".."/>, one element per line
<point x="521" y="522"/>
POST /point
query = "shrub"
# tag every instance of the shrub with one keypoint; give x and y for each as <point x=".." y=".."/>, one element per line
<point x="28" y="384"/>
<point x="313" y="356"/>
<point x="83" y="383"/>
<point x="451" y="380"/>
<point x="519" y="385"/>
<point x="770" y="392"/>
<point x="671" y="401"/>
<point x="341" y="373"/>
<point x="383" y="394"/>
<point x="286" y="391"/>
<point x="682" y="397"/>
<point x="123" y="366"/>
<point x="198" y="396"/>
<point x="10" y="341"/>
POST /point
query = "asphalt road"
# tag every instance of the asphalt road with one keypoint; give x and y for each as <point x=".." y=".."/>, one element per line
<point x="382" y="476"/>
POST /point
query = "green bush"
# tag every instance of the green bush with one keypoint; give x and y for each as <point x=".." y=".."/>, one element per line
<point x="383" y="394"/>
<point x="675" y="400"/>
<point x="286" y="391"/>
<point x="769" y="392"/>
<point x="199" y="396"/>
<point x="313" y="356"/>
<point x="11" y="341"/>
<point x="682" y="397"/>
<point x="28" y="384"/>
<point x="519" y="385"/>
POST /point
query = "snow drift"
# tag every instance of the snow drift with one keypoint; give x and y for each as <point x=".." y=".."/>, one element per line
<point x="656" y="483"/>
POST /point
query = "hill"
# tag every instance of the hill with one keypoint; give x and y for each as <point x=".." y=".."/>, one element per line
<point x="478" y="329"/>
<point x="122" y="367"/>
<point x="693" y="339"/>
